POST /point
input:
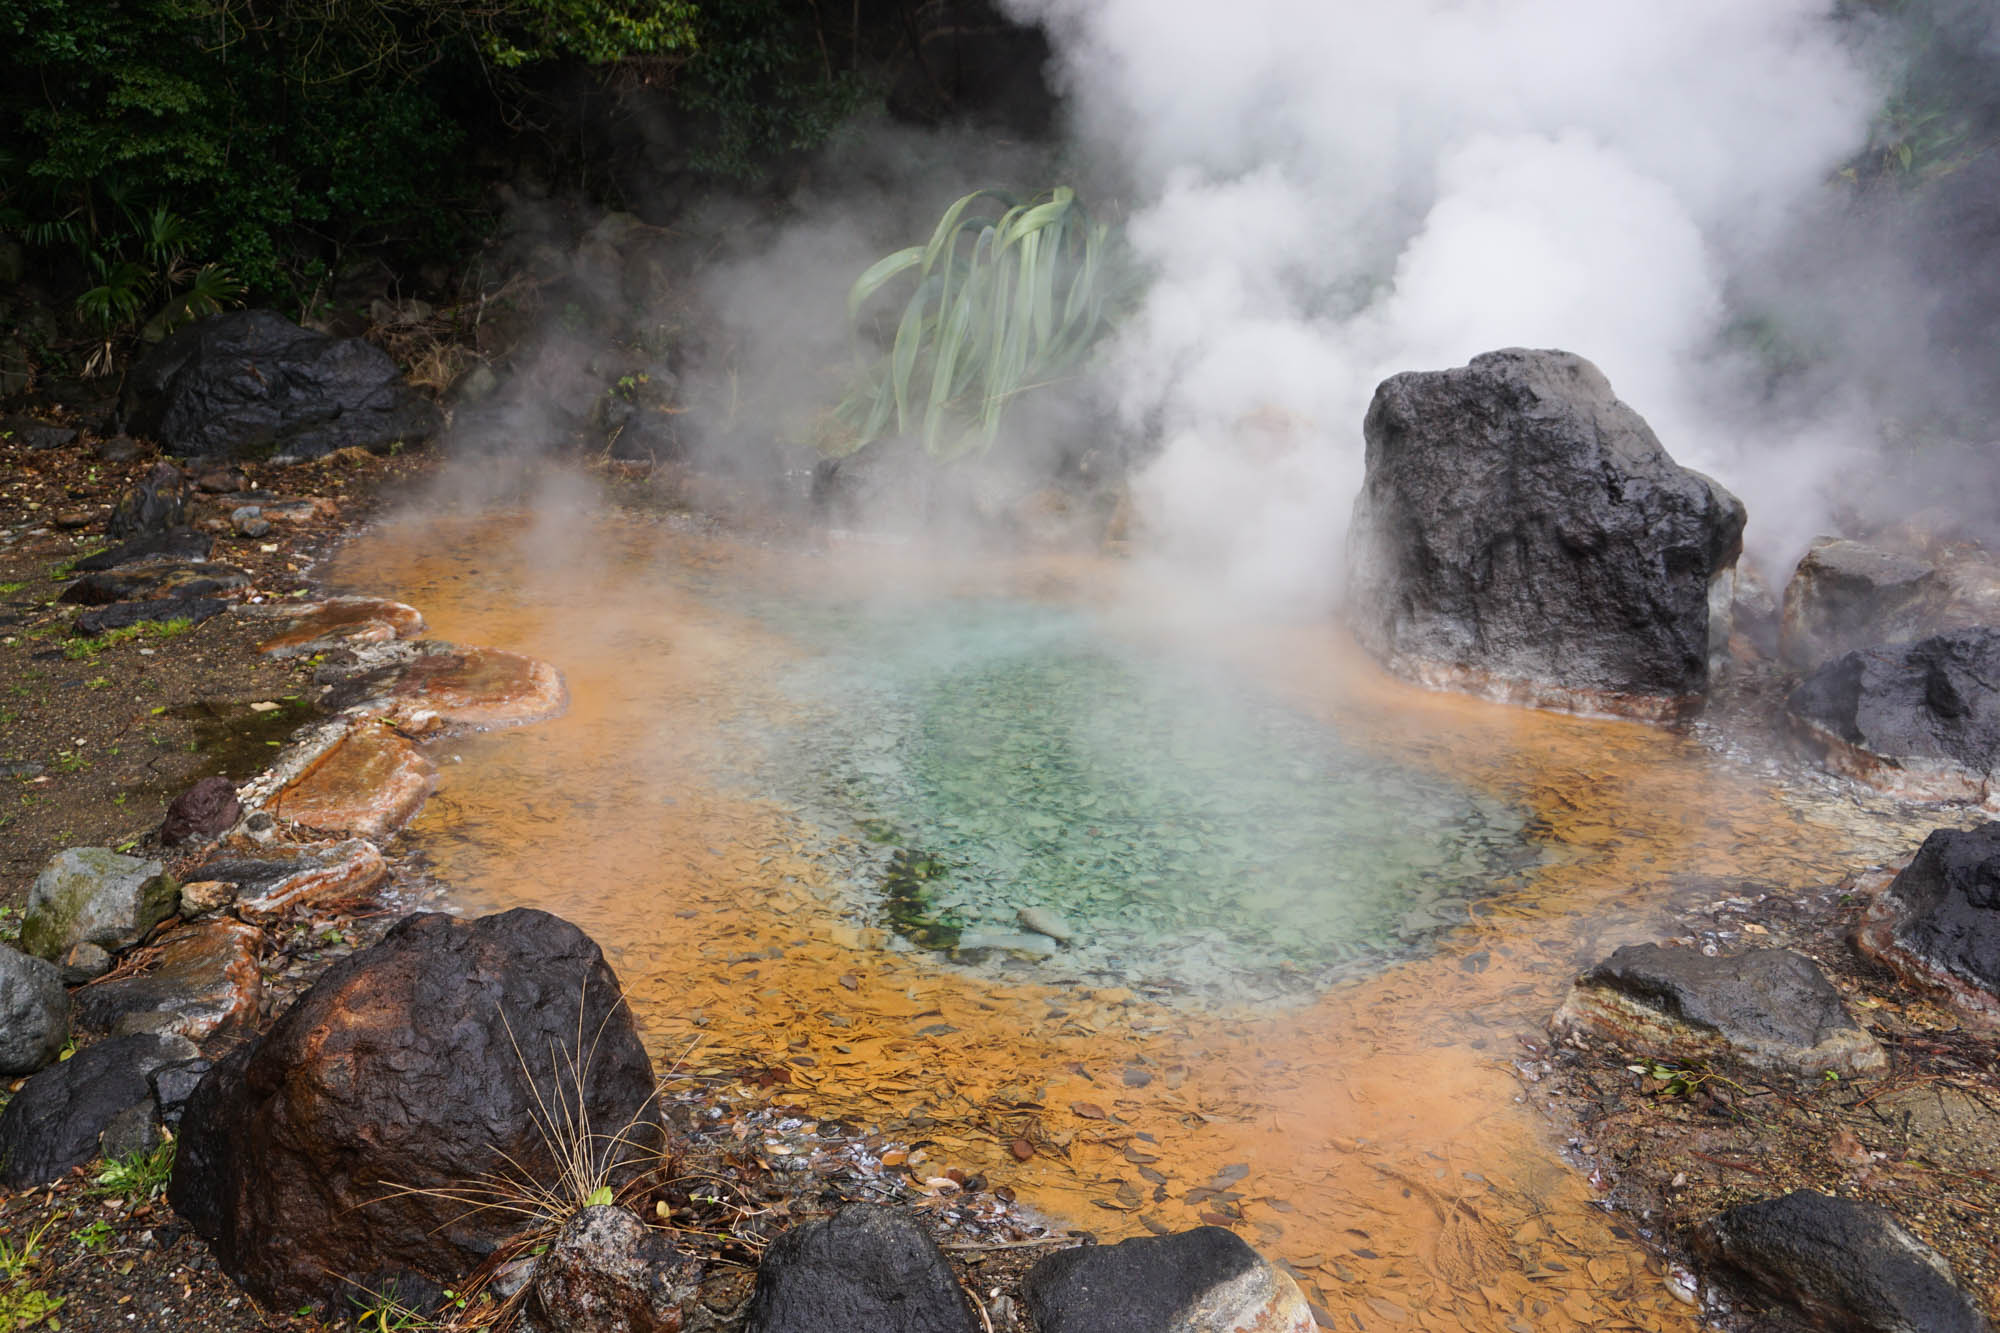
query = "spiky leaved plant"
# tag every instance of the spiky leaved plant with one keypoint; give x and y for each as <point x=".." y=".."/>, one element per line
<point x="1000" y="305"/>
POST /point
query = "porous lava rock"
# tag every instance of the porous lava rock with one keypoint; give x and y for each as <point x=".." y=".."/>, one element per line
<point x="205" y="810"/>
<point x="1846" y="595"/>
<point x="1846" y="1266"/>
<point x="432" y="1061"/>
<point x="133" y="583"/>
<point x="1937" y="923"/>
<point x="97" y="895"/>
<point x="1770" y="1008"/>
<point x="155" y="507"/>
<point x="152" y="611"/>
<point x="34" y="1012"/>
<point x="182" y="544"/>
<point x="204" y="979"/>
<point x="1522" y="535"/>
<point x="251" y="384"/>
<point x="609" y="1272"/>
<point x="1920" y="720"/>
<point x="53" y="1123"/>
<point x="866" y="1267"/>
<point x="1202" y="1281"/>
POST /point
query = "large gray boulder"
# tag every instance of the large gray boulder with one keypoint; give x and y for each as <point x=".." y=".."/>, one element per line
<point x="252" y="384"/>
<point x="1845" y="595"/>
<point x="1770" y="1008"/>
<point x="1919" y="720"/>
<point x="1843" y="1265"/>
<point x="1522" y="535"/>
<point x="1202" y="1281"/>
<point x="34" y="1012"/>
<point x="1937" y="924"/>
<point x="97" y="896"/>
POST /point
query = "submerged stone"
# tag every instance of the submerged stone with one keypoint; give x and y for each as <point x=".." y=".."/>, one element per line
<point x="1770" y="1008"/>
<point x="369" y="782"/>
<point x="1201" y="1281"/>
<point x="1920" y="721"/>
<point x="1522" y="535"/>
<point x="441" y="685"/>
<point x="94" y="894"/>
<point x="1937" y="924"/>
<point x="1844" y="1265"/>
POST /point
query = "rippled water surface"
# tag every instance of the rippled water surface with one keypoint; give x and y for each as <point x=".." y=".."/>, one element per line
<point x="1317" y="911"/>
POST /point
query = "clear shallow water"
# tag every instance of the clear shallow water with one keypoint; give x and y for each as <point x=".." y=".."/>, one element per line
<point x="1191" y="830"/>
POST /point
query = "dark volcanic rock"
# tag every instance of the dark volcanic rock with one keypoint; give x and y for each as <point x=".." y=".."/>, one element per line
<point x="423" y="1063"/>
<point x="1919" y="720"/>
<point x="1522" y="535"/>
<point x="1846" y="1266"/>
<point x="34" y="1012"/>
<point x="251" y="383"/>
<point x="153" y="508"/>
<point x="1768" y="1007"/>
<point x="1201" y="1279"/>
<point x="609" y="1272"/>
<point x="204" y="810"/>
<point x="153" y="611"/>
<point x="140" y="582"/>
<point x="1937" y="924"/>
<point x="1845" y="596"/>
<point x="866" y="1267"/>
<point x="183" y="544"/>
<point x="53" y="1122"/>
<point x="173" y="1084"/>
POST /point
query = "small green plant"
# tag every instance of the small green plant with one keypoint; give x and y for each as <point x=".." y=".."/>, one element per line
<point x="23" y="1304"/>
<point x="1001" y="305"/>
<point x="94" y="1235"/>
<point x="1679" y="1080"/>
<point x="97" y="682"/>
<point x="142" y="1175"/>
<point x="9" y="589"/>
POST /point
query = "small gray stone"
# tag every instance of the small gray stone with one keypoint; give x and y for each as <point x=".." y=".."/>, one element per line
<point x="94" y="894"/>
<point x="83" y="962"/>
<point x="1842" y="1264"/>
<point x="135" y="1129"/>
<point x="34" y="1012"/>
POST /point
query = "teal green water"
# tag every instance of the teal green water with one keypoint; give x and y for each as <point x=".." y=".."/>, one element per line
<point x="991" y="756"/>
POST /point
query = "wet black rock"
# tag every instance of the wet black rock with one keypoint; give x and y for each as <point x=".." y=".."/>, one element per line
<point x="156" y="506"/>
<point x="134" y="583"/>
<point x="153" y="611"/>
<point x="866" y="1267"/>
<point x="609" y="1272"/>
<point x="1919" y="720"/>
<point x="173" y="1084"/>
<point x="1938" y="922"/>
<point x="1768" y="1007"/>
<point x="54" y="1121"/>
<point x="1845" y="596"/>
<point x="205" y="810"/>
<point x="136" y="1129"/>
<point x="417" y="1065"/>
<point x="1201" y="1279"/>
<point x="34" y="1012"/>
<point x="1522" y="535"/>
<point x="251" y="383"/>
<point x="181" y="544"/>
<point x="43" y="435"/>
<point x="118" y="449"/>
<point x="1844" y="1265"/>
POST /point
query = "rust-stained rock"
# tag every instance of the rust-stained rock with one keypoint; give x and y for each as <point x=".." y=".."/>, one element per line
<point x="206" y="979"/>
<point x="264" y="887"/>
<point x="1770" y="1008"/>
<point x="465" y="687"/>
<point x="368" y="783"/>
<point x="343" y="622"/>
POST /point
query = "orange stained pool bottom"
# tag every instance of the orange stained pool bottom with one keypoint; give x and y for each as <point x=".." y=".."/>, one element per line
<point x="1377" y="1138"/>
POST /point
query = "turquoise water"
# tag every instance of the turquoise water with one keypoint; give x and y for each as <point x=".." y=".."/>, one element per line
<point x="1187" y="829"/>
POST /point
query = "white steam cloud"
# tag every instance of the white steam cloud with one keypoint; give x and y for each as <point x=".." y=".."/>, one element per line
<point x="1325" y="192"/>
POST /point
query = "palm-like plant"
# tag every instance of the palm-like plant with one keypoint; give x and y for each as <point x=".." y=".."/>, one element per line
<point x="1000" y="305"/>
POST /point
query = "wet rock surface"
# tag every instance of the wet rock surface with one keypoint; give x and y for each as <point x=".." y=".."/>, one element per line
<point x="1771" y="1008"/>
<point x="204" y="980"/>
<point x="342" y="622"/>
<point x="316" y="875"/>
<point x="143" y="582"/>
<point x="177" y="544"/>
<point x="1919" y="720"/>
<point x="369" y="783"/>
<point x="1202" y="1281"/>
<point x="205" y="810"/>
<point x="53" y="1123"/>
<point x="96" y="895"/>
<point x="1522" y="535"/>
<point x="251" y="383"/>
<point x="423" y="1063"/>
<point x="609" y="1272"/>
<point x="867" y="1267"/>
<point x="155" y="507"/>
<point x="1846" y="595"/>
<point x="1845" y="1266"/>
<point x="153" y="611"/>
<point x="34" y="1012"/>
<point x="427" y="685"/>
<point x="1937" y="923"/>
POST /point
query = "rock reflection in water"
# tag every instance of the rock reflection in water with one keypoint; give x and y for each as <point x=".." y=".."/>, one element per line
<point x="1380" y="1139"/>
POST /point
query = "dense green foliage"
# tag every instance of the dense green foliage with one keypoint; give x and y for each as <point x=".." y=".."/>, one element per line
<point x="1000" y="305"/>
